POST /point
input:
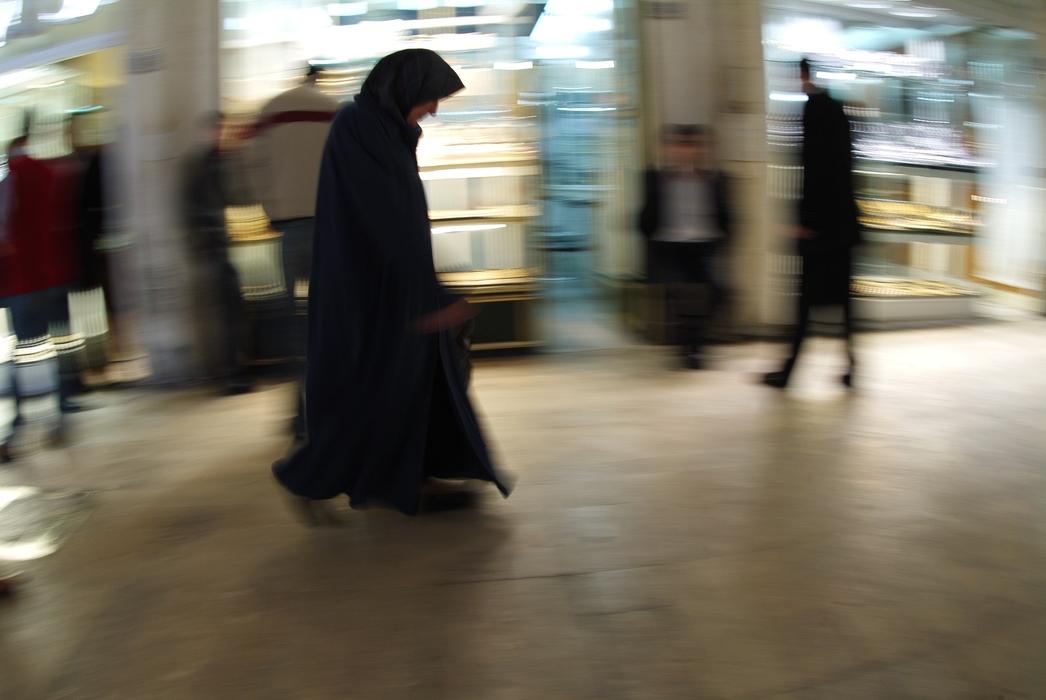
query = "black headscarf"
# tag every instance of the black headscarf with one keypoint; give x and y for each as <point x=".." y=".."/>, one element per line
<point x="406" y="79"/>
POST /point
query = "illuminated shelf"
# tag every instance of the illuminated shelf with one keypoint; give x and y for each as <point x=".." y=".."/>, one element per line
<point x="517" y="212"/>
<point x="904" y="288"/>
<point x="248" y="224"/>
<point x="505" y="282"/>
<point x="877" y="235"/>
<point x="863" y="166"/>
<point x="900" y="302"/>
<point x="479" y="165"/>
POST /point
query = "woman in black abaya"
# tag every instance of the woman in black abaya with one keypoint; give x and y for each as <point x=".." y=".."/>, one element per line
<point x="386" y="402"/>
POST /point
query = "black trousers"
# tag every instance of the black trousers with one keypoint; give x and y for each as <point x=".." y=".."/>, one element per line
<point x="297" y="264"/>
<point x="234" y="316"/>
<point x="688" y="308"/>
<point x="825" y="282"/>
<point x="804" y="323"/>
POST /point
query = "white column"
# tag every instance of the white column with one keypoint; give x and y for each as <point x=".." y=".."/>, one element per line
<point x="703" y="64"/>
<point x="173" y="78"/>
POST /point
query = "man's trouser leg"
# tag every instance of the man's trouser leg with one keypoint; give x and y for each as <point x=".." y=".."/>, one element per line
<point x="297" y="264"/>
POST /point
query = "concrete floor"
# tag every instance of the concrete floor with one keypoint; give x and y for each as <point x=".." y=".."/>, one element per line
<point x="672" y="534"/>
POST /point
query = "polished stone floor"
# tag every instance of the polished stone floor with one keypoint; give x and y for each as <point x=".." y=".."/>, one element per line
<point x="672" y="534"/>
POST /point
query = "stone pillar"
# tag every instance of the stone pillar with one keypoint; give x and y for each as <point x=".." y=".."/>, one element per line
<point x="173" y="77"/>
<point x="741" y="122"/>
<point x="703" y="63"/>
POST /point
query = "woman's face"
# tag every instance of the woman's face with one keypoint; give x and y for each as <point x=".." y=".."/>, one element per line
<point x="421" y="111"/>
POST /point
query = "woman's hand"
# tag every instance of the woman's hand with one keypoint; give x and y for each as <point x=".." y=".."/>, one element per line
<point x="449" y="317"/>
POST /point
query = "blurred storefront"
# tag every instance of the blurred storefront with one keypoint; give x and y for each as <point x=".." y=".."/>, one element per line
<point x="531" y="173"/>
<point x="62" y="73"/>
<point x="948" y="127"/>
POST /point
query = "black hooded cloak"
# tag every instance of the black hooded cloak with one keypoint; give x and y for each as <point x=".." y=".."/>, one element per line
<point x="386" y="405"/>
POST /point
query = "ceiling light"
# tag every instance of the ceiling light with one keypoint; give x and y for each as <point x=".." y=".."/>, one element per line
<point x="415" y="5"/>
<point x="789" y="96"/>
<point x="71" y="9"/>
<point x="347" y="9"/>
<point x="870" y="5"/>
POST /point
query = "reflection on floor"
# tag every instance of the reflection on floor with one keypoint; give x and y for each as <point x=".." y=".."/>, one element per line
<point x="672" y="534"/>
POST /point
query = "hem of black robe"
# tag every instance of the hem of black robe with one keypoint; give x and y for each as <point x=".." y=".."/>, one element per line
<point x="465" y="428"/>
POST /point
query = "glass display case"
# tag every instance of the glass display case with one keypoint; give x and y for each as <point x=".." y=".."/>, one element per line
<point x="480" y="173"/>
<point x="934" y="176"/>
<point x="529" y="172"/>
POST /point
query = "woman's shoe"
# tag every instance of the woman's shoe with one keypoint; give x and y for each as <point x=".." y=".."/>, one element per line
<point x="451" y="500"/>
<point x="441" y="495"/>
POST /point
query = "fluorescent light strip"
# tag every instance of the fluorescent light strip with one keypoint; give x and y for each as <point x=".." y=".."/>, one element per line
<point x="438" y="22"/>
<point x="467" y="228"/>
<point x="463" y="173"/>
<point x="789" y="96"/>
<point x="823" y="75"/>
<point x="517" y="65"/>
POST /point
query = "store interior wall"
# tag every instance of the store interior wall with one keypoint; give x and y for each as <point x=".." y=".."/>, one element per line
<point x="683" y="55"/>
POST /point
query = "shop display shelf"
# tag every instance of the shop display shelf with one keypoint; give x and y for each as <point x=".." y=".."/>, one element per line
<point x="886" y="302"/>
<point x="864" y="166"/>
<point x="515" y="212"/>
<point x="877" y="235"/>
<point x="507" y="299"/>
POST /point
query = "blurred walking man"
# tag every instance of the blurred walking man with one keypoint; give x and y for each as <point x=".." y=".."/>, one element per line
<point x="827" y="230"/>
<point x="204" y="201"/>
<point x="291" y="132"/>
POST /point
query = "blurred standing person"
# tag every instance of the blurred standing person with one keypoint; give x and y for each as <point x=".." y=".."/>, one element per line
<point x="37" y="263"/>
<point x="291" y="131"/>
<point x="91" y="207"/>
<point x="386" y="404"/>
<point x="204" y="202"/>
<point x="686" y="220"/>
<point x="828" y="229"/>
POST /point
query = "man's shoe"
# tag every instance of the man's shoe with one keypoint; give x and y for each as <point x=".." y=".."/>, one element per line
<point x="235" y="388"/>
<point x="778" y="380"/>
